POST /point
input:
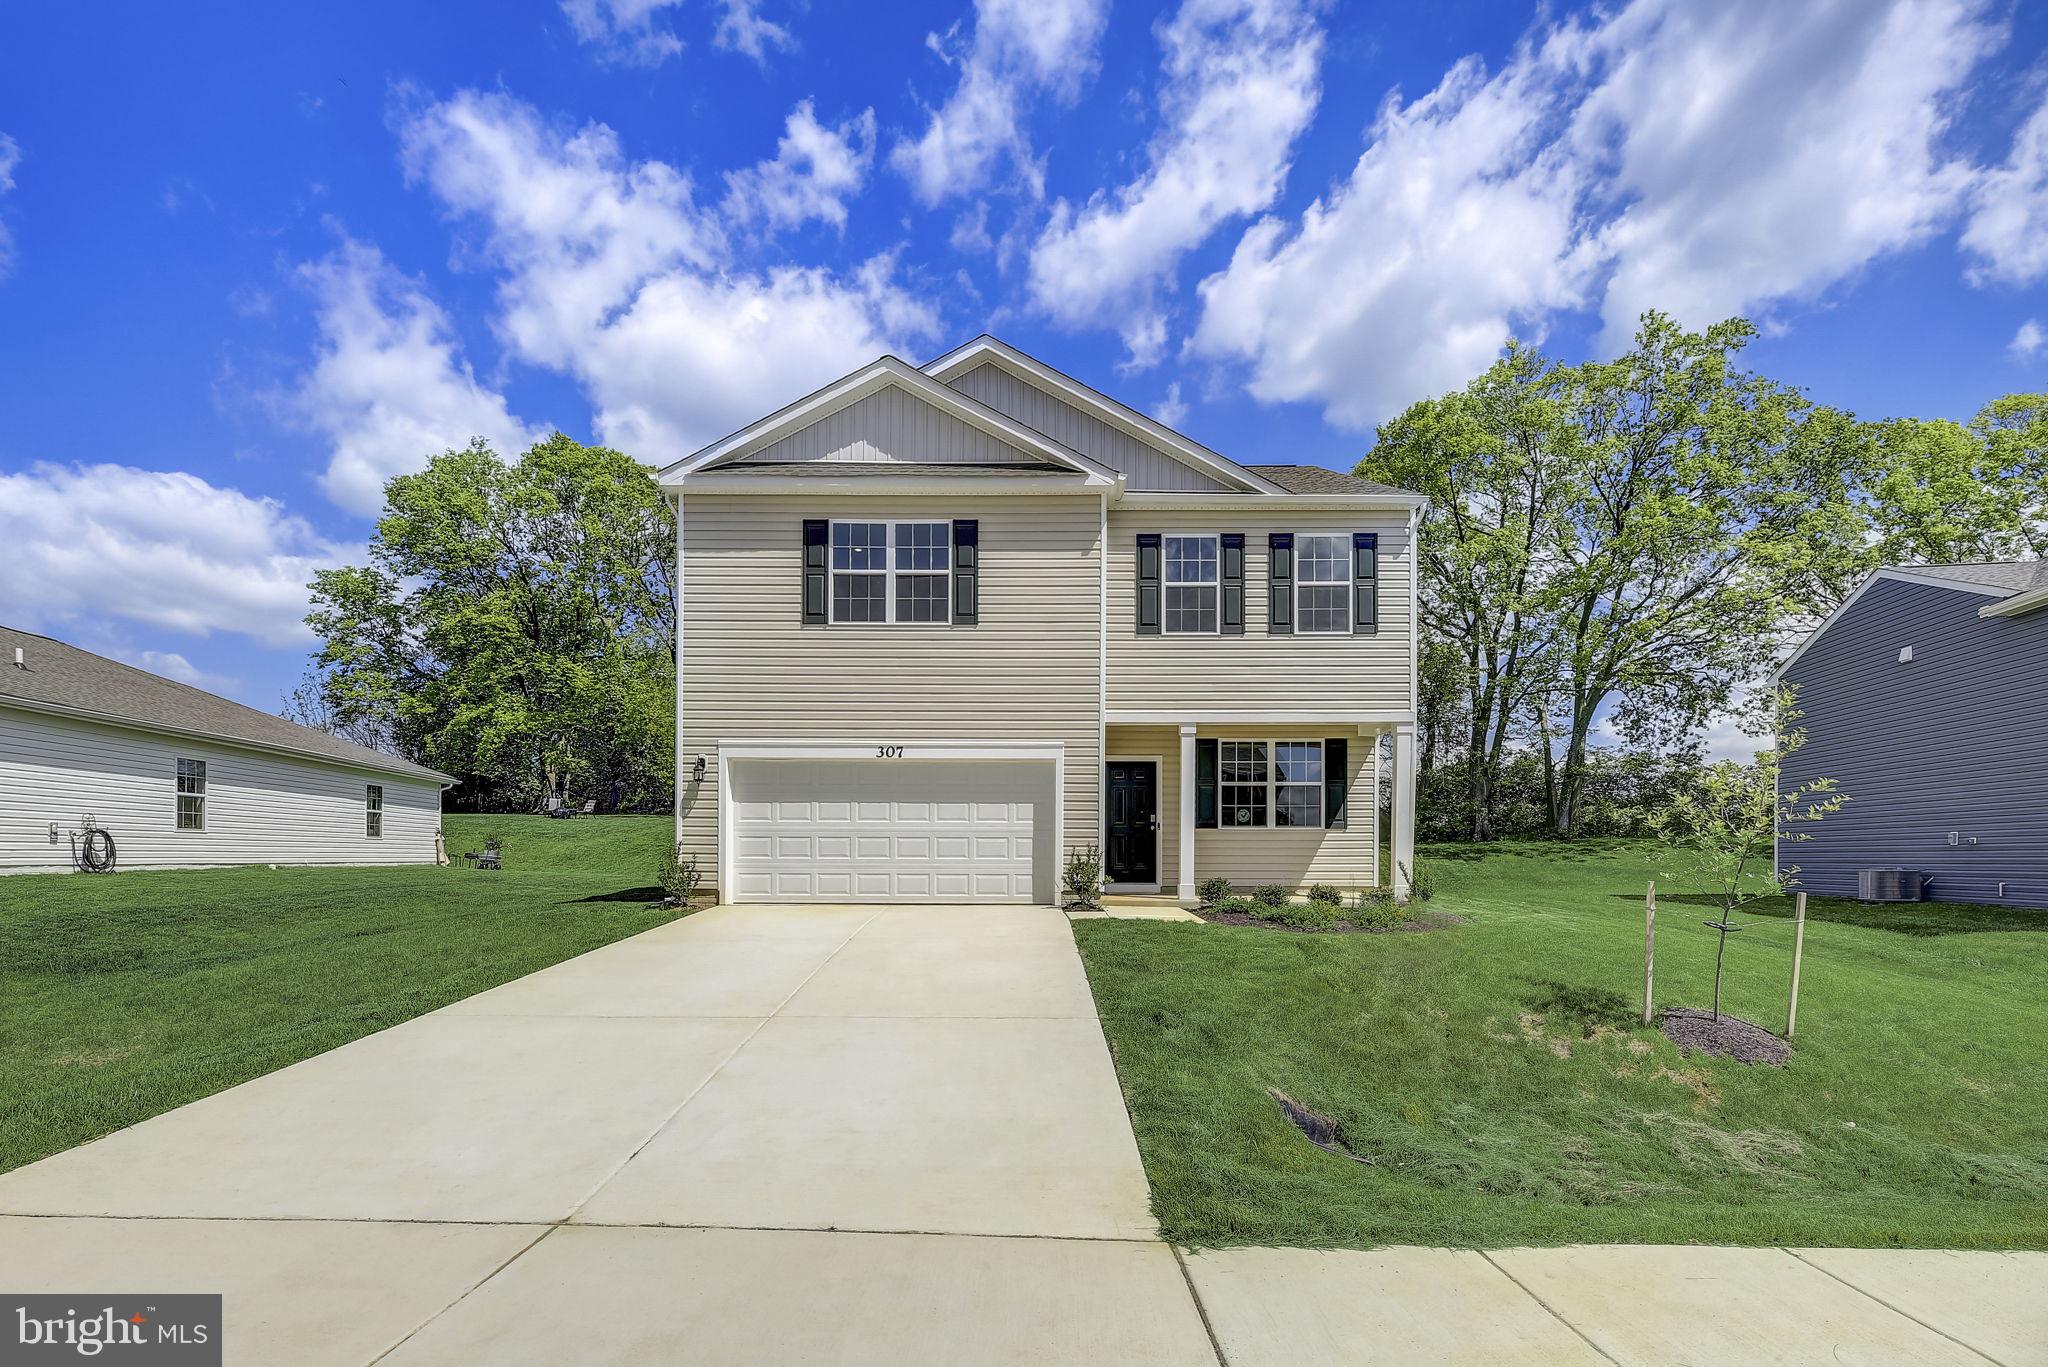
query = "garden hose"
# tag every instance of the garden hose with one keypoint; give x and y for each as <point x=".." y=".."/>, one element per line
<point x="97" y="854"/>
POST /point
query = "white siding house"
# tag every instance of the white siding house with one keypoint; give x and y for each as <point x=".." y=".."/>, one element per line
<point x="181" y="778"/>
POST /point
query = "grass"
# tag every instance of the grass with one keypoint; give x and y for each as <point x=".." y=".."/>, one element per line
<point x="1497" y="1084"/>
<point x="128" y="995"/>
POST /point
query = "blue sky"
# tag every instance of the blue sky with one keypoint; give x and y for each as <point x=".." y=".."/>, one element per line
<point x="254" y="260"/>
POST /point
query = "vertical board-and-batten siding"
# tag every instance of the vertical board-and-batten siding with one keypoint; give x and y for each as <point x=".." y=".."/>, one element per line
<point x="1340" y="673"/>
<point x="260" y="808"/>
<point x="892" y="426"/>
<point x="752" y="671"/>
<point x="1251" y="855"/>
<point x="1144" y="467"/>
<point x="1954" y="740"/>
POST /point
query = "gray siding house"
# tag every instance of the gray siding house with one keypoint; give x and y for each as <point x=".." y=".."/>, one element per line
<point x="1925" y="696"/>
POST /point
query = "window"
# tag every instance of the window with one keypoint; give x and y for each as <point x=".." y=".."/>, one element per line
<point x="1282" y="778"/>
<point x="1191" y="585"/>
<point x="892" y="571"/>
<point x="373" y="810"/>
<point x="1322" y="584"/>
<point x="191" y="794"/>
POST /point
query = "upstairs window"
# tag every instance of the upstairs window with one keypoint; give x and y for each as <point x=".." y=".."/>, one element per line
<point x="1322" y="584"/>
<point x="1192" y="586"/>
<point x="892" y="572"/>
<point x="191" y="794"/>
<point x="373" y="810"/>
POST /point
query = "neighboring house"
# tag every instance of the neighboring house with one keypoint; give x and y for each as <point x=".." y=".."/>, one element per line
<point x="1925" y="696"/>
<point x="942" y="626"/>
<point x="179" y="777"/>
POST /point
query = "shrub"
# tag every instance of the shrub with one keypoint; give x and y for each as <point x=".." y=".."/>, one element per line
<point x="1323" y="892"/>
<point x="1270" y="894"/>
<point x="1377" y="910"/>
<point x="1215" y="891"/>
<point x="1314" y="914"/>
<point x="679" y="876"/>
<point x="1244" y="906"/>
<point x="1083" y="878"/>
<point x="1421" y="881"/>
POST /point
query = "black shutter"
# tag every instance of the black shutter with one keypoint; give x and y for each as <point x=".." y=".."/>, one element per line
<point x="1336" y="772"/>
<point x="1365" y="585"/>
<point x="1280" y="583"/>
<point x="1148" y="583"/>
<point x="966" y="572"/>
<point x="1231" y="571"/>
<point x="1205" y="784"/>
<point x="817" y="577"/>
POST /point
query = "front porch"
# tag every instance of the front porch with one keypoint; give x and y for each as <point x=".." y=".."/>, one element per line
<point x="1257" y="801"/>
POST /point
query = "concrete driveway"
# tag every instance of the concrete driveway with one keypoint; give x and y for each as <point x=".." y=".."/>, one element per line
<point x="843" y="1135"/>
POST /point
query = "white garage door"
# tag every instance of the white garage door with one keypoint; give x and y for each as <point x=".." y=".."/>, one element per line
<point x="892" y="830"/>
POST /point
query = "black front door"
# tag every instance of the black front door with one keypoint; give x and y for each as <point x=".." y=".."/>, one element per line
<point x="1130" y="847"/>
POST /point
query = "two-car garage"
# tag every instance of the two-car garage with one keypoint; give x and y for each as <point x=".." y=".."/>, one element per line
<point x="912" y="822"/>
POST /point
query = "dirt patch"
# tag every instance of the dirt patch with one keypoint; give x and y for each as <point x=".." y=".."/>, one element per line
<point x="1319" y="1129"/>
<point x="1760" y="1153"/>
<point x="94" y="1058"/>
<point x="1701" y="1032"/>
<point x="1429" y="920"/>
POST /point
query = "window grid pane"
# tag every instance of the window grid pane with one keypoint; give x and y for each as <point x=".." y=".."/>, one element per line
<point x="1298" y="804"/>
<point x="1298" y="761"/>
<point x="1190" y="608"/>
<point x="921" y="597"/>
<point x="860" y="598"/>
<point x="1190" y="559"/>
<point x="860" y="545"/>
<point x="924" y="546"/>
<point x="190" y="804"/>
<point x="1322" y="559"/>
<point x="1323" y="608"/>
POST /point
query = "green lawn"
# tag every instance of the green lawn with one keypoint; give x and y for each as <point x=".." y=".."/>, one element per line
<point x="124" y="996"/>
<point x="1495" y="1079"/>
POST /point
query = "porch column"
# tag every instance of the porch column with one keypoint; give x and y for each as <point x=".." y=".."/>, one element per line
<point x="1404" y="809"/>
<point x="1185" y="890"/>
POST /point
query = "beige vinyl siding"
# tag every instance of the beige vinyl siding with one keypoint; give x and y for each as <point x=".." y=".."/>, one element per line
<point x="1144" y="466"/>
<point x="1348" y="858"/>
<point x="752" y="671"/>
<point x="260" y="808"/>
<point x="1340" y="674"/>
<point x="893" y="426"/>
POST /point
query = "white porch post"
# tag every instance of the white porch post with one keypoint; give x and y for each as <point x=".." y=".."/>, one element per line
<point x="1185" y="890"/>
<point x="1404" y="809"/>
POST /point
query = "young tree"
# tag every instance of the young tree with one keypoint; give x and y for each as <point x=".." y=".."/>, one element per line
<point x="516" y="624"/>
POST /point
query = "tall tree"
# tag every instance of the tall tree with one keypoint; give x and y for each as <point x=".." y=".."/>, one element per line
<point x="515" y="626"/>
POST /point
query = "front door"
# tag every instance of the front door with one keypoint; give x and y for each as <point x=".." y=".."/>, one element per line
<point x="1130" y="852"/>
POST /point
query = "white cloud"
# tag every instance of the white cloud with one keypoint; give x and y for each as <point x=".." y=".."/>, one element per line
<point x="1172" y="410"/>
<point x="172" y="665"/>
<point x="389" y="388"/>
<point x="1019" y="49"/>
<point x="740" y="29"/>
<point x="624" y="31"/>
<point x="1239" y="86"/>
<point x="814" y="171"/>
<point x="2028" y="341"/>
<point x="10" y="157"/>
<point x="613" y="274"/>
<point x="2008" y="228"/>
<point x="1805" y="144"/>
<point x="88" y="542"/>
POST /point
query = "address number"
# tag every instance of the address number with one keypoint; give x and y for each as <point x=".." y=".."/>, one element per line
<point x="889" y="752"/>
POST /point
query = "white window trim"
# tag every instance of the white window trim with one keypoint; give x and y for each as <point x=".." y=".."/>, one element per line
<point x="1346" y="583"/>
<point x="178" y="795"/>
<point x="1274" y="783"/>
<point x="1216" y="583"/>
<point x="888" y="570"/>
<point x="373" y="808"/>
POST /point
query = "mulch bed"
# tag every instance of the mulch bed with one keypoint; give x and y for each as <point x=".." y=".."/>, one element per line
<point x="1698" y="1032"/>
<point x="1428" y="920"/>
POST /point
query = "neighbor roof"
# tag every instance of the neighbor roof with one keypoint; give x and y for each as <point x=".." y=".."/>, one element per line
<point x="2014" y="576"/>
<point x="1314" y="479"/>
<point x="56" y="677"/>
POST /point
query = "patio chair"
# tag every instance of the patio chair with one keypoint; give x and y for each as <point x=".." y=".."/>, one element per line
<point x="589" y="808"/>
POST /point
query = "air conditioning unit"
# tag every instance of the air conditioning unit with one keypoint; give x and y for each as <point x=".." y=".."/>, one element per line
<point x="1891" y="885"/>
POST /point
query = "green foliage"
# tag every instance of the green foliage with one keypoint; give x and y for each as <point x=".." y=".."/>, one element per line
<point x="515" y="626"/>
<point x="1083" y="877"/>
<point x="1421" y="881"/>
<point x="1324" y="892"/>
<point x="679" y="876"/>
<point x="1214" y="891"/>
<point x="1271" y="894"/>
<point x="1376" y="909"/>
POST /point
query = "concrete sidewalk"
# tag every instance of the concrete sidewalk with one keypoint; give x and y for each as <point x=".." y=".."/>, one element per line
<point x="846" y="1135"/>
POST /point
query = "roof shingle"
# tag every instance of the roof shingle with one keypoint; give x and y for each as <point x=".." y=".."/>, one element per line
<point x="1314" y="479"/>
<point x="2016" y="576"/>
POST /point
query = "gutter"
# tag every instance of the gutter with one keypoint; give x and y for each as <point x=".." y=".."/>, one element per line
<point x="2017" y="606"/>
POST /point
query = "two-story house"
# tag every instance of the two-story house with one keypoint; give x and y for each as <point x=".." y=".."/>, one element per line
<point x="941" y="626"/>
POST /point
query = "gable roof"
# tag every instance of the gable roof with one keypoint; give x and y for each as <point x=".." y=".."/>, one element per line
<point x="2015" y="586"/>
<point x="1095" y="403"/>
<point x="1314" y="479"/>
<point x="61" y="678"/>
<point x="882" y="373"/>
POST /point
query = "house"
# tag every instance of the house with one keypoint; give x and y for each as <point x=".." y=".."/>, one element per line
<point x="1925" y="696"/>
<point x="941" y="626"/>
<point x="179" y="777"/>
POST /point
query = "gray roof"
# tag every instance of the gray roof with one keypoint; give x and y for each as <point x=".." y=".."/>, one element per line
<point x="66" y="679"/>
<point x="1314" y="479"/>
<point x="2012" y="576"/>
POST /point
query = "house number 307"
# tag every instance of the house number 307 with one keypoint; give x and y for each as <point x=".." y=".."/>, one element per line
<point x="889" y="751"/>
